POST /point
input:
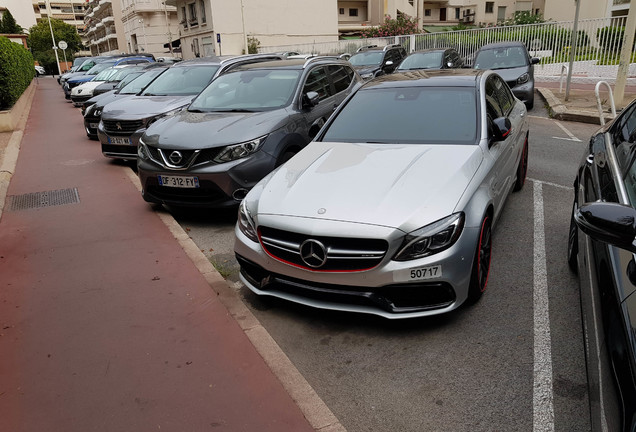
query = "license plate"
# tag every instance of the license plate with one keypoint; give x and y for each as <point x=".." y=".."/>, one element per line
<point x="178" y="181"/>
<point x="119" y="140"/>
<point x="422" y="273"/>
<point x="93" y="125"/>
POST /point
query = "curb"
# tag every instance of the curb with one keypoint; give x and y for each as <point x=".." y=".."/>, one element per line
<point x="559" y="111"/>
<point x="9" y="159"/>
<point x="319" y="416"/>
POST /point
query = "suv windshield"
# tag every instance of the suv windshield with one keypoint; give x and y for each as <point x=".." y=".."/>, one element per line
<point x="99" y="67"/>
<point x="409" y="115"/>
<point x="137" y="84"/>
<point x="181" y="81"/>
<point x="431" y="60"/>
<point x="251" y="90"/>
<point x="501" y="58"/>
<point x="105" y="74"/>
<point x="371" y="58"/>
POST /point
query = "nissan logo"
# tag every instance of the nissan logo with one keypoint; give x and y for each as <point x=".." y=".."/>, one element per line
<point x="175" y="157"/>
<point x="313" y="253"/>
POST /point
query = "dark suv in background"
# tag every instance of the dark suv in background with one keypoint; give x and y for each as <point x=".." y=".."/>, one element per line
<point x="242" y="126"/>
<point x="372" y="61"/>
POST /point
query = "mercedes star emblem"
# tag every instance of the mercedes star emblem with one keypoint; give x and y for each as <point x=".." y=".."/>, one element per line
<point x="313" y="253"/>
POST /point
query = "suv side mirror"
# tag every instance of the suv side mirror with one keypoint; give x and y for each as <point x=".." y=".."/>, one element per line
<point x="501" y="128"/>
<point x="310" y="99"/>
<point x="608" y="222"/>
<point x="388" y="63"/>
<point x="535" y="60"/>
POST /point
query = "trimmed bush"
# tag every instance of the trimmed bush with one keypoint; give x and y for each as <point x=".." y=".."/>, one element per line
<point x="611" y="38"/>
<point x="16" y="72"/>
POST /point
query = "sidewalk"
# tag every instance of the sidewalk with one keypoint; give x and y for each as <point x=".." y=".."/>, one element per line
<point x="111" y="319"/>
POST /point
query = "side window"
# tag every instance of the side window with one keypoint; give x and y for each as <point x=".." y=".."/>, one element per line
<point x="340" y="77"/>
<point x="318" y="81"/>
<point x="492" y="101"/>
<point x="499" y="92"/>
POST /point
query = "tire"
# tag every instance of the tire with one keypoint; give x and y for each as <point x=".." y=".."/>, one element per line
<point x="530" y="104"/>
<point x="481" y="262"/>
<point x="573" y="243"/>
<point x="522" y="168"/>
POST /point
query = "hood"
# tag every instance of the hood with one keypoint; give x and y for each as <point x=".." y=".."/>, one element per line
<point x="82" y="88"/>
<point x="70" y="75"/>
<point x="80" y="78"/>
<point x="190" y="130"/>
<point x="510" y="75"/>
<point x="366" y="69"/>
<point x="141" y="107"/>
<point x="399" y="186"/>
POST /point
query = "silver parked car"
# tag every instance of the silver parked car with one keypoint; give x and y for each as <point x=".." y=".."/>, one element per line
<point x="390" y="211"/>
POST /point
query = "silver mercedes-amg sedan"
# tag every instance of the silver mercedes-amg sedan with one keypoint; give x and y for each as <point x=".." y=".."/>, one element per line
<point x="390" y="210"/>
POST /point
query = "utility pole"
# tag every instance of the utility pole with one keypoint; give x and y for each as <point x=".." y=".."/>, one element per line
<point x="573" y="43"/>
<point x="244" y="34"/>
<point x="57" y="58"/>
<point x="165" y="10"/>
<point x="626" y="54"/>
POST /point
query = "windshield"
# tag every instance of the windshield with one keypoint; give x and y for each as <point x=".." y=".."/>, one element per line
<point x="372" y="58"/>
<point x="251" y="90"/>
<point x="409" y="115"/>
<point x="181" y="81"/>
<point x="135" y="85"/>
<point x="105" y="74"/>
<point x="123" y="72"/>
<point x="501" y="58"/>
<point x="86" y="65"/>
<point x="99" y="67"/>
<point x="429" y="60"/>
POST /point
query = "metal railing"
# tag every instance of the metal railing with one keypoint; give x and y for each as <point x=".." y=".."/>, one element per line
<point x="596" y="53"/>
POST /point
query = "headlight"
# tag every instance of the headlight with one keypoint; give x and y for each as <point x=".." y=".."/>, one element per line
<point x="239" y="151"/>
<point x="523" y="78"/>
<point x="432" y="238"/>
<point x="246" y="223"/>
<point x="89" y="110"/>
<point x="366" y="75"/>
<point x="142" y="150"/>
<point x="98" y="111"/>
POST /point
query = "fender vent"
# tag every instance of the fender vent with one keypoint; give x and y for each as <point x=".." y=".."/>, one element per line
<point x="37" y="200"/>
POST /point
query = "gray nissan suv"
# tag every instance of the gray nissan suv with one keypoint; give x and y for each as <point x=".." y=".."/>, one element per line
<point x="124" y="121"/>
<point x="242" y="126"/>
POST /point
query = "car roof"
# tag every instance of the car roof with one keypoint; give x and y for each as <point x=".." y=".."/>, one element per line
<point x="378" y="48"/>
<point x="428" y="50"/>
<point x="502" y="45"/>
<point x="297" y="64"/>
<point x="428" y="78"/>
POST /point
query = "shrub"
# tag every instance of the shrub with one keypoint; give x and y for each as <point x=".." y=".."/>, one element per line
<point x="16" y="72"/>
<point x="402" y="25"/>
<point x="610" y="38"/>
<point x="253" y="45"/>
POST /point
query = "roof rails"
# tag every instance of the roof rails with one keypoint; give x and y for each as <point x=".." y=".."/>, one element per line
<point x="362" y="48"/>
<point x="391" y="46"/>
<point x="318" y="58"/>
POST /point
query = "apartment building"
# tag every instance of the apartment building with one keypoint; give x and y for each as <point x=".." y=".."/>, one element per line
<point x="221" y="27"/>
<point x="69" y="11"/>
<point x="149" y="26"/>
<point x="563" y="10"/>
<point x="104" y="28"/>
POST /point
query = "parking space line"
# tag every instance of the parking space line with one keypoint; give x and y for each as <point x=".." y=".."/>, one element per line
<point x="543" y="407"/>
<point x="568" y="133"/>
<point x="551" y="184"/>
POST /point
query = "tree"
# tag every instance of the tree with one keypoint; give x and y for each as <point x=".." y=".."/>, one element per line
<point x="402" y="25"/>
<point x="41" y="44"/>
<point x="8" y="24"/>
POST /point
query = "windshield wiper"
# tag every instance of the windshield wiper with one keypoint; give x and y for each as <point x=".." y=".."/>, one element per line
<point x="196" y="110"/>
<point x="235" y="110"/>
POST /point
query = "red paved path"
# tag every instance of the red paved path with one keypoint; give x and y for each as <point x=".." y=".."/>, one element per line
<point x="105" y="324"/>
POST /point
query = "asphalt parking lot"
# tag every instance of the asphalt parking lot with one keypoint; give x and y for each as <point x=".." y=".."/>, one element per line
<point x="513" y="362"/>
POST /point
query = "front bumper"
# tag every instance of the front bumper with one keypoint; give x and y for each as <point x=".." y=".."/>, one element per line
<point x="384" y="290"/>
<point x="90" y="126"/>
<point x="126" y="151"/>
<point x="220" y="184"/>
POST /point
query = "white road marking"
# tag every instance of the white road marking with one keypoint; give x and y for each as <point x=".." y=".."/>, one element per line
<point x="568" y="133"/>
<point x="551" y="184"/>
<point x="543" y="408"/>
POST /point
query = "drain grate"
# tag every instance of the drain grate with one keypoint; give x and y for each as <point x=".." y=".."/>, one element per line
<point x="37" y="200"/>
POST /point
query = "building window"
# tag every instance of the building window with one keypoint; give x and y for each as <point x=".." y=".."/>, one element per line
<point x="427" y="12"/>
<point x="411" y="2"/>
<point x="184" y="18"/>
<point x="353" y="12"/>
<point x="341" y="11"/>
<point x="490" y="7"/>
<point x="536" y="11"/>
<point x="457" y="13"/>
<point x="192" y="9"/>
<point x="202" y="10"/>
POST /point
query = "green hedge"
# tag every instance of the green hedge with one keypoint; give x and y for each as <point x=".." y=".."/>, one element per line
<point x="16" y="72"/>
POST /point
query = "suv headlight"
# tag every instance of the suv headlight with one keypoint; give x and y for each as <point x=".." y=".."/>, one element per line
<point x="98" y="111"/>
<point x="239" y="151"/>
<point x="246" y="223"/>
<point x="523" y="78"/>
<point x="89" y="110"/>
<point x="142" y="150"/>
<point x="432" y="238"/>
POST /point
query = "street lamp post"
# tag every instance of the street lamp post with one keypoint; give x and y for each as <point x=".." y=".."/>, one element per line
<point x="57" y="58"/>
<point x="143" y="26"/>
<point x="573" y="45"/>
<point x="165" y="10"/>
<point x="244" y="34"/>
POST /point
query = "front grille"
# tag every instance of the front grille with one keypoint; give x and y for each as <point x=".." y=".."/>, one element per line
<point x="402" y="298"/>
<point x="122" y="127"/>
<point x="342" y="253"/>
<point x="189" y="157"/>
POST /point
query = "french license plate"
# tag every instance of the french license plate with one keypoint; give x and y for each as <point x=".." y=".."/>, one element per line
<point x="119" y="140"/>
<point x="93" y="125"/>
<point x="422" y="273"/>
<point x="178" y="181"/>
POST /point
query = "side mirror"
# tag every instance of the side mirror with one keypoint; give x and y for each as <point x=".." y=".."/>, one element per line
<point x="388" y="63"/>
<point x="535" y="60"/>
<point x="449" y="65"/>
<point x="608" y="222"/>
<point x="501" y="128"/>
<point x="310" y="99"/>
